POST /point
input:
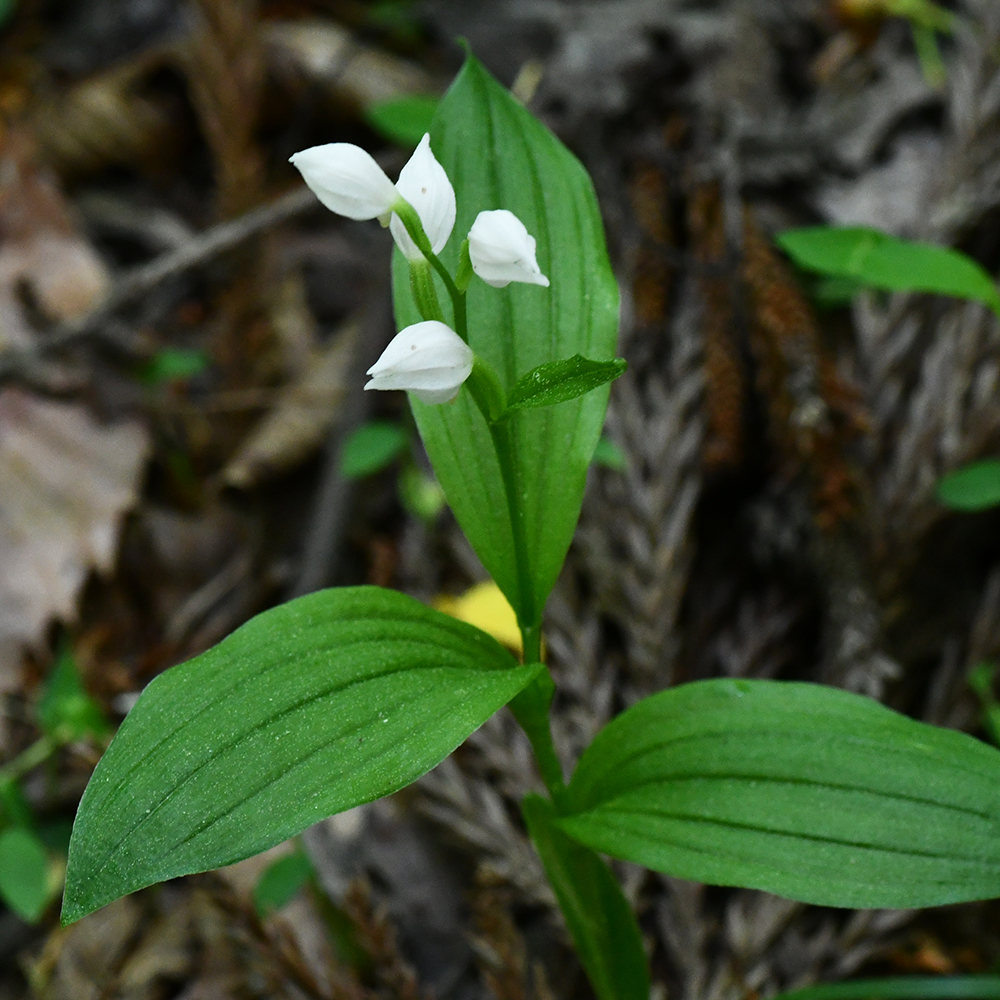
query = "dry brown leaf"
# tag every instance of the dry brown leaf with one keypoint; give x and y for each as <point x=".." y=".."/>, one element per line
<point x="112" y="117"/>
<point x="40" y="248"/>
<point x="78" y="961"/>
<point x="325" y="53"/>
<point x="65" y="481"/>
<point x="304" y="412"/>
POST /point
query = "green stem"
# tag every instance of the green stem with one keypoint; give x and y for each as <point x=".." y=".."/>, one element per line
<point x="408" y="214"/>
<point x="531" y="706"/>
<point x="531" y="709"/>
<point x="505" y="445"/>
<point x="28" y="759"/>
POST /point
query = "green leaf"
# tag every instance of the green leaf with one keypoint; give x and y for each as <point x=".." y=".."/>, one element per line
<point x="24" y="873"/>
<point x="313" y="707"/>
<point x="14" y="808"/>
<point x="66" y="712"/>
<point x="281" y="881"/>
<point x="7" y="8"/>
<point x="598" y="916"/>
<point x="561" y="381"/>
<point x="802" y="790"/>
<point x="608" y="454"/>
<point x="973" y="487"/>
<point x="498" y="156"/>
<point x="882" y="261"/>
<point x="174" y="364"/>
<point x="971" y="987"/>
<point x="420" y="493"/>
<point x="371" y="447"/>
<point x="403" y="120"/>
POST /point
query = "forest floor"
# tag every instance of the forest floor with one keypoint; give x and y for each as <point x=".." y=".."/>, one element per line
<point x="182" y="332"/>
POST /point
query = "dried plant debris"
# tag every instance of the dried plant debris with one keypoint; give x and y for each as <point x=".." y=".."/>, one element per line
<point x="42" y="254"/>
<point x="639" y="560"/>
<point x="225" y="70"/>
<point x="193" y="939"/>
<point x="302" y="413"/>
<point x="65" y="482"/>
<point x="724" y="945"/>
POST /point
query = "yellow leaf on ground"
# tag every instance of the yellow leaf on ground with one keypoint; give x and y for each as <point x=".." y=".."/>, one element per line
<point x="485" y="607"/>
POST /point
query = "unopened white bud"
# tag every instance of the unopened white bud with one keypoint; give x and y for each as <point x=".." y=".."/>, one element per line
<point x="425" y="185"/>
<point x="347" y="180"/>
<point x="502" y="250"/>
<point x="428" y="359"/>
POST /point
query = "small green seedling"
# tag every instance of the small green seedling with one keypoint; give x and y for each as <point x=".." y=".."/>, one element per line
<point x="281" y="882"/>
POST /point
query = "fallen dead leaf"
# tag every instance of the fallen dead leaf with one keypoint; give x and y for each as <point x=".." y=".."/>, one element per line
<point x="65" y="482"/>
<point x="40" y="247"/>
<point x="484" y="606"/>
<point x="302" y="416"/>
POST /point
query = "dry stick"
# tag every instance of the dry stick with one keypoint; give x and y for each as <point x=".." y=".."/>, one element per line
<point x="336" y="494"/>
<point x="203" y="247"/>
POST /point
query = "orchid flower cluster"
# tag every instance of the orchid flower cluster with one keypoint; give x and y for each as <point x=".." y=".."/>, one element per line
<point x="429" y="359"/>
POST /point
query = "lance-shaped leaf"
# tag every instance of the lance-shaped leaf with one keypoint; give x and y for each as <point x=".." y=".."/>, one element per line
<point x="321" y="704"/>
<point x="882" y="261"/>
<point x="598" y="916"/>
<point x="560" y="381"/>
<point x="805" y="791"/>
<point x="499" y="157"/>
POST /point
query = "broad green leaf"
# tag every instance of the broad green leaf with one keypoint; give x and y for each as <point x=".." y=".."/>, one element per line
<point x="281" y="881"/>
<point x="371" y="447"/>
<point x="313" y="707"/>
<point x="882" y="261"/>
<point x="598" y="916"/>
<point x="802" y="790"/>
<point x="498" y="156"/>
<point x="403" y="120"/>
<point x="560" y="381"/>
<point x="973" y="487"/>
<point x="24" y="873"/>
<point x="66" y="712"/>
<point x="970" y="987"/>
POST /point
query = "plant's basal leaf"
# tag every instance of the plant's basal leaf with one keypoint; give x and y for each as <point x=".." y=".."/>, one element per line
<point x="806" y="791"/>
<point x="882" y="261"/>
<point x="968" y="987"/>
<point x="598" y="916"/>
<point x="559" y="381"/>
<point x="974" y="487"/>
<point x="321" y="704"/>
<point x="498" y="156"/>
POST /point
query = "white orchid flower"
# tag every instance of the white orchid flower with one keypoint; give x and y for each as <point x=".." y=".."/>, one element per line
<point x="346" y="180"/>
<point x="428" y="359"/>
<point x="502" y="250"/>
<point x="425" y="185"/>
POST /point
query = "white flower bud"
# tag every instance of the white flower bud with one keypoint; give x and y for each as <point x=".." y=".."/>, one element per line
<point x="425" y="185"/>
<point x="347" y="180"/>
<point x="428" y="359"/>
<point x="502" y="250"/>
